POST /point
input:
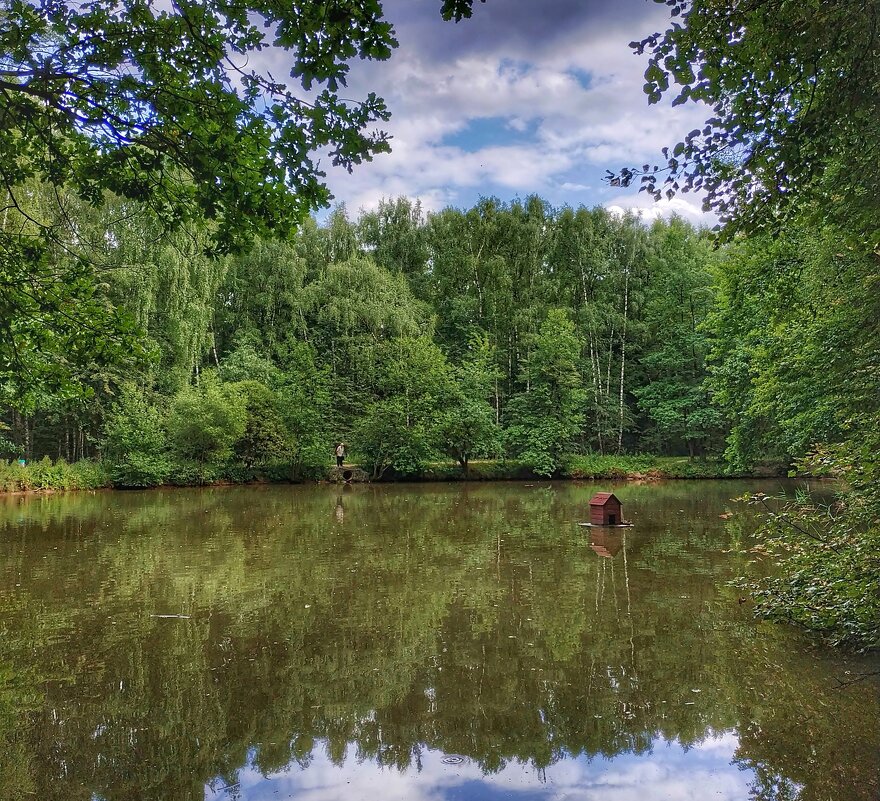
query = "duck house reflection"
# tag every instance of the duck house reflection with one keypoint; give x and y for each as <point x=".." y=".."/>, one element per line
<point x="606" y="543"/>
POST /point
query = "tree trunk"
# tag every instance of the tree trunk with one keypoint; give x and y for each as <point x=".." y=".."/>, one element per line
<point x="596" y="372"/>
<point x="623" y="358"/>
<point x="608" y="369"/>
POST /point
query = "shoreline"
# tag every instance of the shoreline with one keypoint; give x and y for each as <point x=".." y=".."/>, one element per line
<point x="90" y="477"/>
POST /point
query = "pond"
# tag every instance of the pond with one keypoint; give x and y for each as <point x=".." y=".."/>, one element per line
<point x="411" y="643"/>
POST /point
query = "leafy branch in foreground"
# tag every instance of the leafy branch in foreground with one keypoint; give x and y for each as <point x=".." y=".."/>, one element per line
<point x="791" y="90"/>
<point x="827" y="555"/>
<point x="173" y="107"/>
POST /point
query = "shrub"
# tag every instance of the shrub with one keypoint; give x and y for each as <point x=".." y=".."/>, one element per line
<point x="206" y="421"/>
<point x="135" y="446"/>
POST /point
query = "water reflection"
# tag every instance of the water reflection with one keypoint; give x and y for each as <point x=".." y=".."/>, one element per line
<point x="319" y="654"/>
<point x="606" y="542"/>
<point x="672" y="774"/>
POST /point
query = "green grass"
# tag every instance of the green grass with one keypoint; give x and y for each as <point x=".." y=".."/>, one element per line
<point x="48" y="475"/>
<point x="643" y="466"/>
<point x="585" y="466"/>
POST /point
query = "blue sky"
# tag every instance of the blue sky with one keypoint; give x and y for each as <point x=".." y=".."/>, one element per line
<point x="528" y="96"/>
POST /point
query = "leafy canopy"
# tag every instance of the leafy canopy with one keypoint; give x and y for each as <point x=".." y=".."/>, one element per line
<point x="792" y="89"/>
<point x="171" y="105"/>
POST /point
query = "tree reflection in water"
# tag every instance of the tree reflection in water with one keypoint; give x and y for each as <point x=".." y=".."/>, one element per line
<point x="425" y="621"/>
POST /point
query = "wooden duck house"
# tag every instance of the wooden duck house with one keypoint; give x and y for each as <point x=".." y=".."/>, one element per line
<point x="605" y="510"/>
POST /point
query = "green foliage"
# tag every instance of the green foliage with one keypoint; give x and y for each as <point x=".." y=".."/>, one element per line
<point x="56" y="325"/>
<point x="205" y="422"/>
<point x="245" y="363"/>
<point x="398" y="430"/>
<point x="466" y="425"/>
<point x="259" y="302"/>
<point x="827" y="554"/>
<point x="396" y="238"/>
<point x="594" y="465"/>
<point x="545" y="419"/>
<point x="387" y="437"/>
<point x="794" y="129"/>
<point x="45" y="474"/>
<point x="313" y="320"/>
<point x="264" y="438"/>
<point x="135" y="446"/>
<point x="150" y="106"/>
<point x="793" y="360"/>
<point x="672" y="394"/>
<point x="305" y="404"/>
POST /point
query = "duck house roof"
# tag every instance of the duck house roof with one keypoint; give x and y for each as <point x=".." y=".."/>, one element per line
<point x="602" y="498"/>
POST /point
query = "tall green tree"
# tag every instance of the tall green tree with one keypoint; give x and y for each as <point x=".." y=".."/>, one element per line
<point x="672" y="393"/>
<point x="260" y="297"/>
<point x="135" y="443"/>
<point x="547" y="416"/>
<point x="395" y="236"/>
<point x="399" y="429"/>
<point x="467" y="425"/>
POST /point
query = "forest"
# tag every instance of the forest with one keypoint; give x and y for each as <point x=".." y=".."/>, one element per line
<point x="505" y="331"/>
<point x="171" y="313"/>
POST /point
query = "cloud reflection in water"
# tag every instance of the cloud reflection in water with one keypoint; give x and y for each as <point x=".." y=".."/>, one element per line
<point x="668" y="773"/>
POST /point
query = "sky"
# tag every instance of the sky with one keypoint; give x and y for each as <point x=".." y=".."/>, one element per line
<point x="526" y="97"/>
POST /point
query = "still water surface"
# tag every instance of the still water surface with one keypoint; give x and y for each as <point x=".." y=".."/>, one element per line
<point x="411" y="643"/>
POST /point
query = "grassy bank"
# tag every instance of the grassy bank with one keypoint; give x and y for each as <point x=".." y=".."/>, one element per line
<point x="591" y="467"/>
<point x="46" y="475"/>
<point x="53" y="476"/>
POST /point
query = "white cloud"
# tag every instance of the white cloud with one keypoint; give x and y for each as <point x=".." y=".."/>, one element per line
<point x="566" y="106"/>
<point x="648" y="209"/>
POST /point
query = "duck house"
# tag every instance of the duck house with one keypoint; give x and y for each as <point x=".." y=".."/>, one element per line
<point x="605" y="510"/>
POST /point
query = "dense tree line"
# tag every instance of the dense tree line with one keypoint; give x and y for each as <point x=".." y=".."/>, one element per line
<point x="508" y="329"/>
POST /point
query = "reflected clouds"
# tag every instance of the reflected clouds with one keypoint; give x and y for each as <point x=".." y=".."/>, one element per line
<point x="670" y="773"/>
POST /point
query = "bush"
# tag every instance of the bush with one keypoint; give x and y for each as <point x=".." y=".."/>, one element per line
<point x="189" y="473"/>
<point x="388" y="438"/>
<point x="140" y="470"/>
<point x="827" y="555"/>
<point x="205" y="422"/>
<point x="135" y="446"/>
<point x="48" y="475"/>
<point x="264" y="439"/>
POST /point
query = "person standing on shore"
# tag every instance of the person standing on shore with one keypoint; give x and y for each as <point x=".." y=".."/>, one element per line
<point x="340" y="453"/>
